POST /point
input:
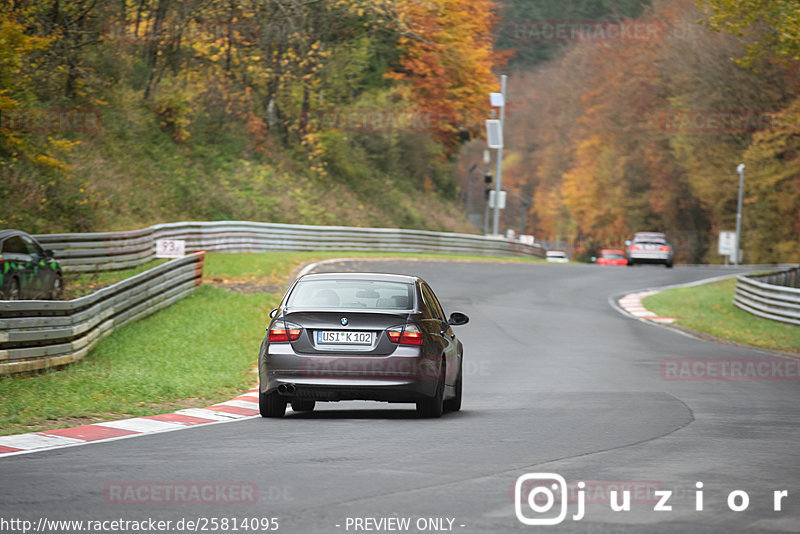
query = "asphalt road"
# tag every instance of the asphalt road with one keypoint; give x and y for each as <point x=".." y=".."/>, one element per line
<point x="556" y="381"/>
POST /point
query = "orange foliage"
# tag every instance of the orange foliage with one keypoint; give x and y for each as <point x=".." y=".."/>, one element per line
<point x="447" y="60"/>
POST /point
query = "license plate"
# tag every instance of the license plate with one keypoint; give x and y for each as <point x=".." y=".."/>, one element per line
<point x="344" y="337"/>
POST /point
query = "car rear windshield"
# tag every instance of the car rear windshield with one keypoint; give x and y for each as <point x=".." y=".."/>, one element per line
<point x="651" y="238"/>
<point x="352" y="294"/>
<point x="613" y="256"/>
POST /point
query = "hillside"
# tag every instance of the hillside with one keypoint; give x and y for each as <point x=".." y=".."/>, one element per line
<point x="640" y="124"/>
<point x="118" y="115"/>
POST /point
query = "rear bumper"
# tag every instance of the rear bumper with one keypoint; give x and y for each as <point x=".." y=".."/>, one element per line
<point x="404" y="376"/>
<point x="652" y="257"/>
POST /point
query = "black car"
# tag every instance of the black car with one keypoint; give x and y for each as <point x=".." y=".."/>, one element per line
<point x="351" y="336"/>
<point x="27" y="271"/>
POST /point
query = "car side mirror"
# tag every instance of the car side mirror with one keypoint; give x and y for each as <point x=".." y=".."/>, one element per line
<point x="273" y="313"/>
<point x="457" y="319"/>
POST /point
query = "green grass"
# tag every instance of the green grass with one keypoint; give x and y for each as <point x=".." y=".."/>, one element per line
<point x="199" y="351"/>
<point x="277" y="266"/>
<point x="709" y="308"/>
<point x="80" y="284"/>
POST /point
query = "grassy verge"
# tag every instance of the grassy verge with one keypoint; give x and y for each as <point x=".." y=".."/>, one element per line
<point x="277" y="266"/>
<point x="198" y="351"/>
<point x="80" y="284"/>
<point x="709" y="308"/>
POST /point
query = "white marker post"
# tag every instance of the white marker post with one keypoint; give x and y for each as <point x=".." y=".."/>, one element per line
<point x="170" y="248"/>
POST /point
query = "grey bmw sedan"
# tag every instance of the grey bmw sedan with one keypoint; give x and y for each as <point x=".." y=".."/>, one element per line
<point x="360" y="336"/>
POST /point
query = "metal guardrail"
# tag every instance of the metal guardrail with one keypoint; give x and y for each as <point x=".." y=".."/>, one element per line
<point x="38" y="334"/>
<point x="121" y="250"/>
<point x="42" y="334"/>
<point x="773" y="296"/>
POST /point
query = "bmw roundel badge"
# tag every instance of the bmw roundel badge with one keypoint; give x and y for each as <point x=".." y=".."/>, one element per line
<point x="344" y="321"/>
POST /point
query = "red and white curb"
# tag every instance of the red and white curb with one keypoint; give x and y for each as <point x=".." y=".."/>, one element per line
<point x="632" y="304"/>
<point x="242" y="407"/>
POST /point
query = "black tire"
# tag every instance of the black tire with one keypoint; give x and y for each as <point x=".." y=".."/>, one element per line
<point x="630" y="263"/>
<point x="454" y="404"/>
<point x="271" y="404"/>
<point x="58" y="288"/>
<point x="669" y="265"/>
<point x="434" y="407"/>
<point x="13" y="290"/>
<point x="303" y="405"/>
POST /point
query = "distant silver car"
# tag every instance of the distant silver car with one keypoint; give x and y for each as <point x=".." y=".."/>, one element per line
<point x="360" y="336"/>
<point x="557" y="256"/>
<point x="649" y="247"/>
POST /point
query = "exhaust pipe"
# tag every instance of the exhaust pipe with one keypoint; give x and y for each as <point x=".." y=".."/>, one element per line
<point x="287" y="389"/>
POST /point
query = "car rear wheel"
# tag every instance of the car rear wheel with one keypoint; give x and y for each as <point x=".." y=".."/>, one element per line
<point x="58" y="287"/>
<point x="434" y="407"/>
<point x="454" y="404"/>
<point x="303" y="406"/>
<point x="13" y="290"/>
<point x="271" y="404"/>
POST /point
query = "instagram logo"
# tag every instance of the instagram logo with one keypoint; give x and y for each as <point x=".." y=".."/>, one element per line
<point x="544" y="491"/>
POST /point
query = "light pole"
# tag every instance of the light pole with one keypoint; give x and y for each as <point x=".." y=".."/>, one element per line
<point x="469" y="188"/>
<point x="527" y="202"/>
<point x="740" y="170"/>
<point x="499" y="173"/>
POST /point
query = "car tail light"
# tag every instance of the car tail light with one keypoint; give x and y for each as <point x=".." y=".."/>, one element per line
<point x="282" y="332"/>
<point x="634" y="247"/>
<point x="664" y="248"/>
<point x="409" y="334"/>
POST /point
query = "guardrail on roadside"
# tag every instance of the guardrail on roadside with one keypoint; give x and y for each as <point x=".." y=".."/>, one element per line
<point x="38" y="334"/>
<point x="120" y="250"/>
<point x="773" y="296"/>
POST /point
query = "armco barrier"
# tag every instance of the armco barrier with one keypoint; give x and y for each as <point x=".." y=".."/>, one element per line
<point x="773" y="296"/>
<point x="37" y="334"/>
<point x="120" y="250"/>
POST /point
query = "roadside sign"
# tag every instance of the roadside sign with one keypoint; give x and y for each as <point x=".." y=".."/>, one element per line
<point x="501" y="204"/>
<point x="727" y="243"/>
<point x="497" y="100"/>
<point x="170" y="248"/>
<point x="494" y="134"/>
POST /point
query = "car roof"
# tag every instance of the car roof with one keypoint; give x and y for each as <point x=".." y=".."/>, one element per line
<point x="556" y="253"/>
<point x="9" y="232"/>
<point x="376" y="277"/>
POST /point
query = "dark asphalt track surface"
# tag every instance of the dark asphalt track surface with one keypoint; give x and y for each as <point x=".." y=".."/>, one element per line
<point x="556" y="380"/>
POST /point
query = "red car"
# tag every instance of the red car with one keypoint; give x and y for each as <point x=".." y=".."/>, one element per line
<point x="612" y="257"/>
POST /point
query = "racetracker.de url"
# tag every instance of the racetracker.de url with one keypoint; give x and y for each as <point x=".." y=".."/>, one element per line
<point x="102" y="526"/>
